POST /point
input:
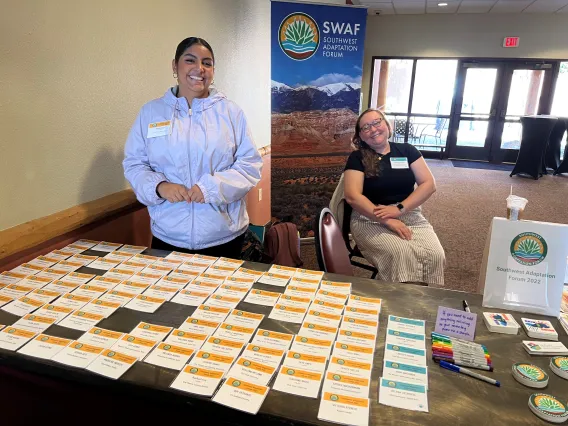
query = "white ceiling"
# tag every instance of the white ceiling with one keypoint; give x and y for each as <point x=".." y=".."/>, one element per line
<point x="420" y="7"/>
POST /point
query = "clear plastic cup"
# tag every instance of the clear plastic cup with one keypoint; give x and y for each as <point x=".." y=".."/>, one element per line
<point x="515" y="207"/>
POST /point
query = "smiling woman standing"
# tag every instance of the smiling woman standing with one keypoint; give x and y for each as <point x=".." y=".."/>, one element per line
<point x="191" y="159"/>
<point x="387" y="222"/>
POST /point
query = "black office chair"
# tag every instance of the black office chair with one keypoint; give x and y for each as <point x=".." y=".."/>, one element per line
<point x="536" y="131"/>
<point x="354" y="251"/>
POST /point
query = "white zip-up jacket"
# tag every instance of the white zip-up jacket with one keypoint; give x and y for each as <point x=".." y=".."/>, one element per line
<point x="209" y="145"/>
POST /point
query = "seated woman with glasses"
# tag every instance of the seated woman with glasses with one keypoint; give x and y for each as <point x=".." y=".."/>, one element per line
<point x="387" y="223"/>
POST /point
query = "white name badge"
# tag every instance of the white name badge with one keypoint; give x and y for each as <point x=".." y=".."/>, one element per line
<point x="160" y="128"/>
<point x="399" y="162"/>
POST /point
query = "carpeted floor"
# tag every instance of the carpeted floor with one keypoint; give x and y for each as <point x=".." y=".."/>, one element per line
<point x="482" y="165"/>
<point x="462" y="208"/>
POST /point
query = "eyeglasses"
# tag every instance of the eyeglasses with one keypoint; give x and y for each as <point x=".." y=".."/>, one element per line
<point x="376" y="123"/>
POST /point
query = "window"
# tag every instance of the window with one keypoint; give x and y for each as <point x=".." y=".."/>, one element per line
<point x="434" y="86"/>
<point x="391" y="84"/>
<point x="560" y="100"/>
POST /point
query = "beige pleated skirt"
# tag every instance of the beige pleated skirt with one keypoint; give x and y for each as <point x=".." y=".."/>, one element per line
<point x="420" y="259"/>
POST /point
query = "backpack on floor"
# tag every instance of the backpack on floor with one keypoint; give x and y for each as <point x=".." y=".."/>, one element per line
<point x="253" y="250"/>
<point x="282" y="244"/>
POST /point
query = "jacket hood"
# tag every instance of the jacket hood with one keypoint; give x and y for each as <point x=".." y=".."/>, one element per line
<point x="197" y="105"/>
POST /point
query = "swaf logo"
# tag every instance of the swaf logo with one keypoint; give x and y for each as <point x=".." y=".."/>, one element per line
<point x="299" y="36"/>
<point x="529" y="248"/>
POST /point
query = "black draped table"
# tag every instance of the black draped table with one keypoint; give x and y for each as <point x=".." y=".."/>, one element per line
<point x="35" y="390"/>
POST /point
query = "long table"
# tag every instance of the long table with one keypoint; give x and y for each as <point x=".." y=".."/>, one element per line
<point x="32" y="389"/>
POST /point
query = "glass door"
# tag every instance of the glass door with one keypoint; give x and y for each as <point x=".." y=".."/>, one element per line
<point x="475" y="110"/>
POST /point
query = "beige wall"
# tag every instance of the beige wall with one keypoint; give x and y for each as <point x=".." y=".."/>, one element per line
<point x="472" y="35"/>
<point x="74" y="74"/>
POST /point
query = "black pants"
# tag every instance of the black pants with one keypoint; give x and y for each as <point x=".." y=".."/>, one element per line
<point x="231" y="249"/>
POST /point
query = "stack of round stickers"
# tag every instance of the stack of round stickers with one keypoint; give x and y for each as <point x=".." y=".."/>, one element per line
<point x="548" y="408"/>
<point x="559" y="366"/>
<point x="530" y="375"/>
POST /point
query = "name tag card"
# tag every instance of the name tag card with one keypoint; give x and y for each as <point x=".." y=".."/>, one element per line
<point x="201" y="286"/>
<point x="209" y="260"/>
<point x="302" y="361"/>
<point x="121" y="297"/>
<point x="403" y="395"/>
<point x="405" y="373"/>
<point x="211" y="313"/>
<point x="186" y="339"/>
<point x="347" y="367"/>
<point x="344" y="409"/>
<point x="298" y="382"/>
<point x="411" y="340"/>
<point x="252" y="371"/>
<point x="132" y="249"/>
<point x="184" y="275"/>
<point x="283" y="270"/>
<point x="9" y="277"/>
<point x="22" y="306"/>
<point x="35" y="323"/>
<point x="81" y="320"/>
<point x="346" y="385"/>
<point x="168" y="355"/>
<point x="225" y="347"/>
<point x="52" y="273"/>
<point x="156" y="269"/>
<point x="405" y="355"/>
<point x="328" y="307"/>
<point x="131" y="287"/>
<point x="106" y="246"/>
<point x="101" y="337"/>
<point x="190" y="297"/>
<point x="35" y="282"/>
<point x="88" y="290"/>
<point x="406" y="324"/>
<point x="143" y="258"/>
<point x="293" y="314"/>
<point x="15" y="290"/>
<point x="105" y="282"/>
<point x="161" y="292"/>
<point x="151" y="331"/>
<point x="193" y="266"/>
<point x="5" y="299"/>
<point x="44" y="346"/>
<point x="104" y="264"/>
<point x="353" y="352"/>
<point x="241" y="395"/>
<point x="83" y="259"/>
<point x="245" y="319"/>
<point x="12" y="338"/>
<point x="78" y="354"/>
<point x="364" y="302"/>
<point x="211" y="278"/>
<point x="196" y="380"/>
<point x="223" y="301"/>
<point x="145" y="303"/>
<point x="118" y="274"/>
<point x="318" y="331"/>
<point x="173" y="282"/>
<point x="312" y="346"/>
<point x="85" y="244"/>
<point x="101" y="307"/>
<point x="334" y="286"/>
<point x="132" y="266"/>
<point x="27" y="269"/>
<point x="310" y="275"/>
<point x="399" y="162"/>
<point x="262" y="297"/>
<point x="248" y="273"/>
<point x="60" y="254"/>
<point x="46" y="296"/>
<point x="357" y="338"/>
<point x="199" y="326"/>
<point x="278" y="280"/>
<point x="61" y="286"/>
<point x="305" y="282"/>
<point x="232" y="291"/>
<point x="273" y="339"/>
<point x="134" y="346"/>
<point x="146" y="278"/>
<point x="119" y="256"/>
<point x="264" y="355"/>
<point x="234" y="332"/>
<point x="296" y="301"/>
<point x="360" y="325"/>
<point x="70" y="300"/>
<point x="229" y="263"/>
<point x="73" y="248"/>
<point x="179" y="256"/>
<point x="43" y="261"/>
<point x="212" y="361"/>
<point x="55" y="312"/>
<point x="78" y="278"/>
<point x="332" y="297"/>
<point x="323" y="318"/>
<point x="360" y="313"/>
<point x="225" y="271"/>
<point x="67" y="266"/>
<point x="293" y="290"/>
<point x="111" y="364"/>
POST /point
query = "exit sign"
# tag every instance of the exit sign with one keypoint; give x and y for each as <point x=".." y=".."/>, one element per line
<point x="511" y="42"/>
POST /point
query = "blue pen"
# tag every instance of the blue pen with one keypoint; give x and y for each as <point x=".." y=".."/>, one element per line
<point x="470" y="373"/>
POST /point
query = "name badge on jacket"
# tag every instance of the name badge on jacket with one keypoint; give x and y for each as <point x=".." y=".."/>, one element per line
<point x="399" y="162"/>
<point x="160" y="128"/>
